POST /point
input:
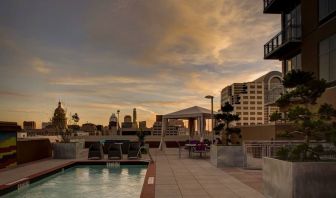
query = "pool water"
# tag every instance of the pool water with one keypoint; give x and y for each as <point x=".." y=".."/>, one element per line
<point x="88" y="181"/>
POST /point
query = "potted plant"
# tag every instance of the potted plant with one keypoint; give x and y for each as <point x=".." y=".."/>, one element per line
<point x="296" y="167"/>
<point x="68" y="149"/>
<point x="141" y="139"/>
<point x="230" y="152"/>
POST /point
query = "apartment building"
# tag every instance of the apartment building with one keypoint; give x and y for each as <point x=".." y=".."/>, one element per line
<point x="251" y="99"/>
<point x="307" y="39"/>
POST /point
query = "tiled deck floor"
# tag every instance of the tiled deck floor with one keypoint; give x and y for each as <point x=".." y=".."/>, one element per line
<point x="175" y="177"/>
<point x="186" y="177"/>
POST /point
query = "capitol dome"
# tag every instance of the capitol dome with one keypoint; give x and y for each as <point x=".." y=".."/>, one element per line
<point x="59" y="120"/>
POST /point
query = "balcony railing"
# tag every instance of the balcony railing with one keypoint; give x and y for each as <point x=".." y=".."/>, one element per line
<point x="278" y="6"/>
<point x="291" y="33"/>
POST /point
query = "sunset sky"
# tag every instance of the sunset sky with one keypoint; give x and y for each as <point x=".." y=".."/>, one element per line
<point x="99" y="56"/>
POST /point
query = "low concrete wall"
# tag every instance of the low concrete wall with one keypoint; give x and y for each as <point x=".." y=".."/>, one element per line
<point x="66" y="150"/>
<point x="29" y="150"/>
<point x="221" y="156"/>
<point x="298" y="179"/>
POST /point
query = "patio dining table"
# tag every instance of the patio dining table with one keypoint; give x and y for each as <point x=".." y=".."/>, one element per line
<point x="190" y="146"/>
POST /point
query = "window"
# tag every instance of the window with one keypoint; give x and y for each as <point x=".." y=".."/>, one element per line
<point x="293" y="23"/>
<point x="245" y="97"/>
<point x="245" y="118"/>
<point x="293" y="63"/>
<point x="252" y="92"/>
<point x="245" y="113"/>
<point x="259" y="108"/>
<point x="245" y="108"/>
<point x="252" y="102"/>
<point x="259" y="102"/>
<point x="238" y="124"/>
<point x="245" y="123"/>
<point x="252" y="118"/>
<point x="245" y="102"/>
<point x="252" y="97"/>
<point x="259" y="97"/>
<point x="252" y="108"/>
<point x="252" y="123"/>
<point x="259" y="86"/>
<point x="238" y="108"/>
<point x="326" y="8"/>
<point x="252" y="113"/>
<point x="259" y="118"/>
<point x="259" y="113"/>
<point x="328" y="59"/>
<point x="238" y="113"/>
<point x="252" y="86"/>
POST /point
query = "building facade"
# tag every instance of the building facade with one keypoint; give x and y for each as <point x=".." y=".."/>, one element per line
<point x="307" y="39"/>
<point x="59" y="120"/>
<point x="251" y="100"/>
<point x="29" y="125"/>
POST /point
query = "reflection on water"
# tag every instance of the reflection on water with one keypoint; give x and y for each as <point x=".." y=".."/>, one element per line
<point x="89" y="181"/>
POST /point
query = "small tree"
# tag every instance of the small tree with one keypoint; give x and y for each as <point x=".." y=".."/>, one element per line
<point x="300" y="103"/>
<point x="224" y="120"/>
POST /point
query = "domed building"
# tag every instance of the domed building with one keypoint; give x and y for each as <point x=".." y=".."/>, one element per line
<point x="113" y="121"/>
<point x="59" y="120"/>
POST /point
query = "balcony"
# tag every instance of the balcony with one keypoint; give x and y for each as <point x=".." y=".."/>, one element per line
<point x="282" y="44"/>
<point x="278" y="6"/>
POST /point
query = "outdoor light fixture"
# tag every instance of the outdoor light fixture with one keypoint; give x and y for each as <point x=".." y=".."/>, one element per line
<point x="212" y="117"/>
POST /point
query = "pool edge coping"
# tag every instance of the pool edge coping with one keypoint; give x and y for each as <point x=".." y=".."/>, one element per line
<point x="148" y="190"/>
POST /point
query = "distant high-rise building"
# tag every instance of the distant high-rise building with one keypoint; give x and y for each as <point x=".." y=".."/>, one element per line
<point x="127" y="122"/>
<point x="251" y="99"/>
<point x="29" y="125"/>
<point x="158" y="118"/>
<point x="142" y="125"/>
<point x="135" y="124"/>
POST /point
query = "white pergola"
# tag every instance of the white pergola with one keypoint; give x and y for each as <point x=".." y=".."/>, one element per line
<point x="191" y="114"/>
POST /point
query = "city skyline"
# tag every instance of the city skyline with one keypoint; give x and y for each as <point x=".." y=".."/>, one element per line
<point x="156" y="56"/>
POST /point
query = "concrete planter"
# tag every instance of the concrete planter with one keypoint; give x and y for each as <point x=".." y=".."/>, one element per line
<point x="298" y="179"/>
<point x="221" y="156"/>
<point x="69" y="150"/>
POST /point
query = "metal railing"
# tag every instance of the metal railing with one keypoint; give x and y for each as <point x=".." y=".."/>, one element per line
<point x="254" y="151"/>
<point x="267" y="3"/>
<point x="290" y="33"/>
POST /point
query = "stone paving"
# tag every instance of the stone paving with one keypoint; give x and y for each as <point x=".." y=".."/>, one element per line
<point x="184" y="177"/>
<point x="175" y="177"/>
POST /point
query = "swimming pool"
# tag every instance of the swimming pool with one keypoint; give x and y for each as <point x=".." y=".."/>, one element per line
<point x="88" y="181"/>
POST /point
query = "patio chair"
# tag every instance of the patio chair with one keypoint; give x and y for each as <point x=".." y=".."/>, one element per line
<point x="96" y="151"/>
<point x="134" y="151"/>
<point x="107" y="145"/>
<point x="200" y="148"/>
<point x="114" y="151"/>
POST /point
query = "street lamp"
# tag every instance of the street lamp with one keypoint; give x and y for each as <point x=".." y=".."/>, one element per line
<point x="212" y="117"/>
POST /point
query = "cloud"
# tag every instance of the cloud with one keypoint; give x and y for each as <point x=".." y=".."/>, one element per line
<point x="40" y="66"/>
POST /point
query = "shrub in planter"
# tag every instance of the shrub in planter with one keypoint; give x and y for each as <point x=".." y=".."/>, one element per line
<point x="300" y="103"/>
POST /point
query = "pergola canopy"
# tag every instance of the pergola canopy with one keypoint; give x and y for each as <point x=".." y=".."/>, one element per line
<point x="192" y="112"/>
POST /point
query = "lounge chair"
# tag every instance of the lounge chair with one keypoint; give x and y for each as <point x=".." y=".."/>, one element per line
<point x="96" y="151"/>
<point x="107" y="145"/>
<point x="114" y="151"/>
<point x="134" y="151"/>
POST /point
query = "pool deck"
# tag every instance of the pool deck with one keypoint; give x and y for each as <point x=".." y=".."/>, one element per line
<point x="174" y="176"/>
<point x="184" y="177"/>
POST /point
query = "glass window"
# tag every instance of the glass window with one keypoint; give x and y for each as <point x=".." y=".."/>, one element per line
<point x="328" y="59"/>
<point x="326" y="8"/>
<point x="293" y="24"/>
<point x="293" y="63"/>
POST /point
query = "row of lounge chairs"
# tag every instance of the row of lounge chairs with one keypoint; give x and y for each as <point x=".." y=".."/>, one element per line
<point x="114" y="151"/>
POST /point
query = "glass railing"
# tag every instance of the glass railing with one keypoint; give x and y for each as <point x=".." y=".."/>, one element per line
<point x="290" y="33"/>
